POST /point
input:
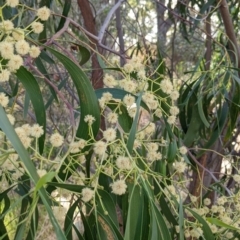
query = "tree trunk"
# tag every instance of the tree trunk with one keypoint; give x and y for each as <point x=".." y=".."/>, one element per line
<point x="90" y="25"/>
<point x="212" y="160"/>
<point x="201" y="179"/>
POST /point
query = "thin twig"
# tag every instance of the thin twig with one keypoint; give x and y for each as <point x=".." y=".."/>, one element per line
<point x="76" y="25"/>
<point x="59" y="33"/>
<point x="100" y="44"/>
<point x="69" y="106"/>
<point x="141" y="34"/>
<point x="63" y="50"/>
<point x="210" y="173"/>
<point x="29" y="112"/>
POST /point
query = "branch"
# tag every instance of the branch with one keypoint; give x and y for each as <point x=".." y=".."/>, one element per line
<point x="90" y="25"/>
<point x="227" y="21"/>
<point x="120" y="34"/>
<point x="63" y="98"/>
<point x="59" y="33"/>
<point x="76" y="25"/>
<point x="107" y="20"/>
<point x="210" y="173"/>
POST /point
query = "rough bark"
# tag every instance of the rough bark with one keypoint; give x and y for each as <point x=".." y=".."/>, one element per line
<point x="90" y="25"/>
<point x="201" y="179"/>
<point x="97" y="72"/>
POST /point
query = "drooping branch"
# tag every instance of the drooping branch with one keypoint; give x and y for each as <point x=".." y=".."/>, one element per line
<point x="108" y="19"/>
<point x="229" y="28"/>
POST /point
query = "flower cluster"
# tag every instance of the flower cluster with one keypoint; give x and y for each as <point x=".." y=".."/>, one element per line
<point x="26" y="132"/>
<point x="13" y="46"/>
<point x="109" y="153"/>
<point x="134" y="82"/>
<point x="226" y="210"/>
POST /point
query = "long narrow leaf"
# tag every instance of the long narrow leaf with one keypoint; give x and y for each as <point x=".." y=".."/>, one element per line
<point x="30" y="84"/>
<point x="206" y="229"/>
<point x="50" y="100"/>
<point x="7" y="128"/>
<point x="219" y="223"/>
<point x="167" y="211"/>
<point x="22" y="220"/>
<point x="33" y="225"/>
<point x="135" y="216"/>
<point x="4" y="197"/>
<point x="26" y="105"/>
<point x="69" y="187"/>
<point x="158" y="226"/>
<point x="88" y="100"/>
<point x="201" y="112"/>
<point x="69" y="220"/>
<point x="181" y="220"/>
<point x="88" y="231"/>
<point x="43" y="70"/>
<point x="133" y="130"/>
<point x="109" y="207"/>
<point x="65" y="12"/>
